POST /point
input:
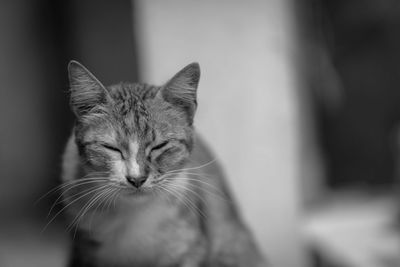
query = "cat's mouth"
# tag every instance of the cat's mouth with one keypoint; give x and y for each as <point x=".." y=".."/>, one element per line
<point x="141" y="191"/>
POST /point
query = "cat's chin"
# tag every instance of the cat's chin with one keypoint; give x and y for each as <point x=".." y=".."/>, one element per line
<point x="133" y="193"/>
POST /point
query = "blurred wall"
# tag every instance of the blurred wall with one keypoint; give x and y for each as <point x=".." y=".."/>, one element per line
<point x="24" y="152"/>
<point x="352" y="64"/>
<point x="248" y="109"/>
<point x="37" y="40"/>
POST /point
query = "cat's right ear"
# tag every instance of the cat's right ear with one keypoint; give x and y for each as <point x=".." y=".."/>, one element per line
<point x="87" y="91"/>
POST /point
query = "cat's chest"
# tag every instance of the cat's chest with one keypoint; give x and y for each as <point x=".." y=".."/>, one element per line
<point x="159" y="234"/>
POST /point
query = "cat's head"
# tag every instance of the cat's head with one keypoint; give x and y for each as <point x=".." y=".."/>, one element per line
<point x="133" y="135"/>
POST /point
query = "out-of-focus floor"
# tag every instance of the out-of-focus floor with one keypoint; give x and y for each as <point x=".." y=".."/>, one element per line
<point x="23" y="245"/>
<point x="354" y="231"/>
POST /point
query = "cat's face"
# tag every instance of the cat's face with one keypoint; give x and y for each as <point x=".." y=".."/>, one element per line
<point x="133" y="136"/>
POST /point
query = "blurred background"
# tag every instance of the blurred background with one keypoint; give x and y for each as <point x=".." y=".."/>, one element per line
<point x="300" y="101"/>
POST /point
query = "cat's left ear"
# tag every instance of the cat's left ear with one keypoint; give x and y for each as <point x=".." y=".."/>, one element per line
<point x="181" y="90"/>
<point x="87" y="91"/>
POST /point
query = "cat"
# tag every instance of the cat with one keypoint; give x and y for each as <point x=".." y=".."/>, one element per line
<point x="140" y="187"/>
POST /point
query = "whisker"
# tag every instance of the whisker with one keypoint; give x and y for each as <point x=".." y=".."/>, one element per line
<point x="84" y="210"/>
<point x="69" y="204"/>
<point x="88" y="205"/>
<point x="77" y="216"/>
<point x="180" y="174"/>
<point x="61" y="186"/>
<point x="60" y="200"/>
<point x="81" y="213"/>
<point x="184" y="188"/>
<point x="220" y="195"/>
<point x="164" y="193"/>
<point x="106" y="198"/>
<point x="187" y="198"/>
<point x="216" y="191"/>
<point x="100" y="201"/>
<point x="115" y="199"/>
<point x="67" y="197"/>
<point x="179" y="197"/>
<point x="189" y="173"/>
<point x="194" y="168"/>
<point x="114" y="195"/>
<point x="194" y="179"/>
<point x="211" y="188"/>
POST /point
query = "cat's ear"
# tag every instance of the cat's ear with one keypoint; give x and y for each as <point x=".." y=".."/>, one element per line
<point x="181" y="90"/>
<point x="87" y="91"/>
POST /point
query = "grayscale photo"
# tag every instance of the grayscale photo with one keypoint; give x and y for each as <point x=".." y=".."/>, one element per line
<point x="182" y="133"/>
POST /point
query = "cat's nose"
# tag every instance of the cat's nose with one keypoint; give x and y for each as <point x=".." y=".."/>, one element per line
<point x="136" y="181"/>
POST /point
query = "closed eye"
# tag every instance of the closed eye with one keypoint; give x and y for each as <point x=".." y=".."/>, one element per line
<point x="112" y="148"/>
<point x="159" y="146"/>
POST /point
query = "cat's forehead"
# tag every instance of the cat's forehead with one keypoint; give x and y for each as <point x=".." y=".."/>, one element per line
<point x="128" y="107"/>
<point x="137" y="106"/>
<point x="127" y="92"/>
<point x="137" y="115"/>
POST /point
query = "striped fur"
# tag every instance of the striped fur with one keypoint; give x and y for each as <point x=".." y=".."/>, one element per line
<point x="174" y="219"/>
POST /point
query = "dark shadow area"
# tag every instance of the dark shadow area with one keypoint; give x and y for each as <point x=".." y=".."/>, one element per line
<point x="38" y="39"/>
<point x="354" y="80"/>
<point x="100" y="36"/>
<point x="351" y="65"/>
